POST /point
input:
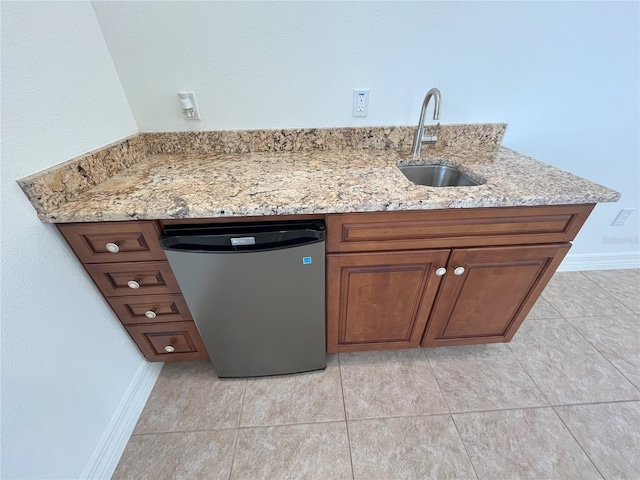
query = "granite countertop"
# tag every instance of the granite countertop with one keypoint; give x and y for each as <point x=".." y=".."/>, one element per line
<point x="324" y="172"/>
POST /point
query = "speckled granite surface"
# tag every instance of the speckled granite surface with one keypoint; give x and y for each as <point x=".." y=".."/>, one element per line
<point x="300" y="140"/>
<point x="302" y="171"/>
<point x="62" y="183"/>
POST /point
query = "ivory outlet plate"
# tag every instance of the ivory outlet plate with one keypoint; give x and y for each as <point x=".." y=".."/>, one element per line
<point x="360" y="102"/>
<point x="622" y="217"/>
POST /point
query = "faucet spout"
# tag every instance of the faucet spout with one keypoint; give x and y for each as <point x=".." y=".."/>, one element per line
<point x="419" y="137"/>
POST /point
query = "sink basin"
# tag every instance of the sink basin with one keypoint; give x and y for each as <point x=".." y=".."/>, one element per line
<point x="436" y="176"/>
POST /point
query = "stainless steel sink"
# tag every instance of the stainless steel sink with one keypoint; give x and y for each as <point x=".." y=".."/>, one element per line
<point x="436" y="176"/>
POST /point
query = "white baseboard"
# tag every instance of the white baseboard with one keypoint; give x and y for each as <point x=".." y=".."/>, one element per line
<point x="600" y="261"/>
<point x="107" y="453"/>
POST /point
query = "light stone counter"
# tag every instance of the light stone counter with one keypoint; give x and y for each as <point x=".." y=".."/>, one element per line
<point x="303" y="178"/>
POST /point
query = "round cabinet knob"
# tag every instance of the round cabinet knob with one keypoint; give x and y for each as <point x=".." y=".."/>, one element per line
<point x="133" y="284"/>
<point x="113" y="247"/>
<point x="169" y="349"/>
<point x="150" y="314"/>
<point x="458" y="271"/>
<point x="441" y="271"/>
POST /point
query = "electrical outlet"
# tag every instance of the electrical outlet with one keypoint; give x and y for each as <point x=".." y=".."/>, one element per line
<point x="622" y="217"/>
<point x="360" y="102"/>
<point x="189" y="105"/>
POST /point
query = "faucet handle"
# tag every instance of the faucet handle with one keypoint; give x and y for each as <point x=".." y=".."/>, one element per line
<point x="431" y="138"/>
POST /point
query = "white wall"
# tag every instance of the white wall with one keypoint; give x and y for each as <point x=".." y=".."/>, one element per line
<point x="563" y="75"/>
<point x="66" y="361"/>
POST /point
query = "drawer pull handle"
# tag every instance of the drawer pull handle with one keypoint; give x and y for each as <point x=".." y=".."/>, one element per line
<point x="169" y="349"/>
<point x="150" y="314"/>
<point x="458" y="271"/>
<point x="113" y="247"/>
<point x="441" y="271"/>
<point x="133" y="284"/>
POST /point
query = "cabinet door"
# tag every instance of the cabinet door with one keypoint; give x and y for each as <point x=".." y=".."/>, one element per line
<point x="380" y="300"/>
<point x="488" y="292"/>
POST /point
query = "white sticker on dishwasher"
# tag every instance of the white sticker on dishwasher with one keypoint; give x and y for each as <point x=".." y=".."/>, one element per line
<point x="306" y="260"/>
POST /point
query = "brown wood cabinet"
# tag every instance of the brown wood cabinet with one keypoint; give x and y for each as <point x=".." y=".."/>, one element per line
<point x="422" y="269"/>
<point x="380" y="300"/>
<point x="111" y="242"/>
<point x="127" y="264"/>
<point x="394" y="279"/>
<point x="137" y="309"/>
<point x="170" y="341"/>
<point x="486" y="293"/>
<point x="133" y="278"/>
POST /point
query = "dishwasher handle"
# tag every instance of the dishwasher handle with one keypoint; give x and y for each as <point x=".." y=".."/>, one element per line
<point x="238" y="238"/>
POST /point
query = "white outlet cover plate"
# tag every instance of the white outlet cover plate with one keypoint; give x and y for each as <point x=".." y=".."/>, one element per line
<point x="360" y="102"/>
<point x="622" y="217"/>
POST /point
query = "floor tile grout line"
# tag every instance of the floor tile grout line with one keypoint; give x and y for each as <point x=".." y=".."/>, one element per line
<point x="466" y="451"/>
<point x="615" y="300"/>
<point x="579" y="444"/>
<point x="364" y="419"/>
<point x="550" y="405"/>
<point x="244" y="427"/>
<point x="596" y="283"/>
<point x="464" y="445"/>
<point x="235" y="442"/>
<point x="393" y="417"/>
<point x="529" y="375"/>
<point x="435" y="377"/>
<point x="244" y="394"/>
<point x="552" y="308"/>
<point x="233" y="455"/>
<point x="510" y="409"/>
<point x="346" y="421"/>
<point x="604" y="290"/>
<point x="492" y="410"/>
<point x="598" y="350"/>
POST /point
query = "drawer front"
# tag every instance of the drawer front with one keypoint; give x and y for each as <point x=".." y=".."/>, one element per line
<point x="136" y="278"/>
<point x="167" y="342"/>
<point x="363" y="232"/>
<point x="139" y="309"/>
<point x="113" y="242"/>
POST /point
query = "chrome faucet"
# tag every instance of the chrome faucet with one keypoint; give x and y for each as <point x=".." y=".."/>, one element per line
<point x="420" y="137"/>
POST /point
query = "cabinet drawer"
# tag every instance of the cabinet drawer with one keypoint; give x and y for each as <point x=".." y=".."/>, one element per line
<point x="113" y="242"/>
<point x="138" y="309"/>
<point x="115" y="279"/>
<point x="169" y="341"/>
<point x="469" y="227"/>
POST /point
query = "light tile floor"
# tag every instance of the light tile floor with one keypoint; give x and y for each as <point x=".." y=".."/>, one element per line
<point x="561" y="400"/>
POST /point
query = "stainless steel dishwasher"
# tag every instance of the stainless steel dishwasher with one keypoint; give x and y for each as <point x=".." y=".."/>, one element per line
<point x="256" y="292"/>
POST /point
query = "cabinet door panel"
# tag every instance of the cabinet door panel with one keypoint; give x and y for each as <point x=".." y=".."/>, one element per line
<point x="489" y="301"/>
<point x="380" y="300"/>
